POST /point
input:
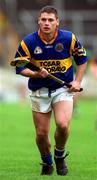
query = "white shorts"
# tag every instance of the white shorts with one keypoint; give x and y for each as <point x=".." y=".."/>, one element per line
<point x="41" y="102"/>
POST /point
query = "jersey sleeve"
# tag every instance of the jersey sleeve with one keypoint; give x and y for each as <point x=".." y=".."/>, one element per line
<point x="78" y="52"/>
<point x="22" y="52"/>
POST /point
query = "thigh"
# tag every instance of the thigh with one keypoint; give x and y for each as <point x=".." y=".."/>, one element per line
<point x="40" y="100"/>
<point x="63" y="112"/>
<point x="62" y="106"/>
<point x="41" y="121"/>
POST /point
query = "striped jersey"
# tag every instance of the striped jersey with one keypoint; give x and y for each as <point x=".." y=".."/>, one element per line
<point x="56" y="57"/>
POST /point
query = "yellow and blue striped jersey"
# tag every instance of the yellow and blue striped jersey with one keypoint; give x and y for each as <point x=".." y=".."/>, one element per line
<point x="56" y="57"/>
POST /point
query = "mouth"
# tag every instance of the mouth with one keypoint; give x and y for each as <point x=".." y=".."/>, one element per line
<point x="46" y="28"/>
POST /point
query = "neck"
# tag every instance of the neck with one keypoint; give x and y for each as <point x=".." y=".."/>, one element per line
<point x="47" y="37"/>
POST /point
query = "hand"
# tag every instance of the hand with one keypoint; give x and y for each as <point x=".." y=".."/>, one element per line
<point x="75" y="86"/>
<point x="42" y="73"/>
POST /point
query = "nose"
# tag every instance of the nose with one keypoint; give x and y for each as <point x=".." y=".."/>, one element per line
<point x="47" y="22"/>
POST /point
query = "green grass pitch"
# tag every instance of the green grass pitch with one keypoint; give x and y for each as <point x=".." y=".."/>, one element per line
<point x="19" y="156"/>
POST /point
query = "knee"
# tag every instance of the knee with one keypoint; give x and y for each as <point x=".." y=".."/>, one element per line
<point x="41" y="137"/>
<point x="63" y="128"/>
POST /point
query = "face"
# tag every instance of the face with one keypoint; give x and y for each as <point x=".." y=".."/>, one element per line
<point x="48" y="23"/>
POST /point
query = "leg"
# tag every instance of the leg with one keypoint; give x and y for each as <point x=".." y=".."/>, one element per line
<point x="42" y="125"/>
<point x="62" y="112"/>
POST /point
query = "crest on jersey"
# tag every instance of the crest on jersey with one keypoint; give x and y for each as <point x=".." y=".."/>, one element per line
<point x="38" y="50"/>
<point x="59" y="47"/>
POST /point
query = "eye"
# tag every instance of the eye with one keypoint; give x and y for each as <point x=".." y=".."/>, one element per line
<point x="43" y="19"/>
<point x="51" y="20"/>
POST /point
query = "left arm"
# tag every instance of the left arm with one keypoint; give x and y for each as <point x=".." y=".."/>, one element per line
<point x="80" y="72"/>
<point x="76" y="84"/>
<point x="80" y="58"/>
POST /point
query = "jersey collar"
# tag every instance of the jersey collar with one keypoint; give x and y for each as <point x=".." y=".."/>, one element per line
<point x="41" y="35"/>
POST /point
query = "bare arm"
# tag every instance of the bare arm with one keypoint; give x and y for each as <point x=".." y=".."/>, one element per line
<point x="80" y="72"/>
<point x="76" y="84"/>
<point x="42" y="73"/>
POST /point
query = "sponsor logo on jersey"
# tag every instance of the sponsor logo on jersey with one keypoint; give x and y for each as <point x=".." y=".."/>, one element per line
<point x="53" y="66"/>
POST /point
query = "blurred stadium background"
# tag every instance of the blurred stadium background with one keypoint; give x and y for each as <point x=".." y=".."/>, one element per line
<point x="19" y="17"/>
<point x="19" y="158"/>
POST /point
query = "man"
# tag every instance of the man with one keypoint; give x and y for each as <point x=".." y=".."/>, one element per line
<point x="52" y="49"/>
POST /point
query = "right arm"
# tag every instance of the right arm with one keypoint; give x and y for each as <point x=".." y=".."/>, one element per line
<point x="23" y="51"/>
<point x="42" y="73"/>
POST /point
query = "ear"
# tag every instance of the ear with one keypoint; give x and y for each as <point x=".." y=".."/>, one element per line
<point x="57" y="22"/>
<point x="38" y="21"/>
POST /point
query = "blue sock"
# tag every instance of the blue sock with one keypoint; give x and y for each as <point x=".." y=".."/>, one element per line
<point x="58" y="153"/>
<point x="47" y="159"/>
